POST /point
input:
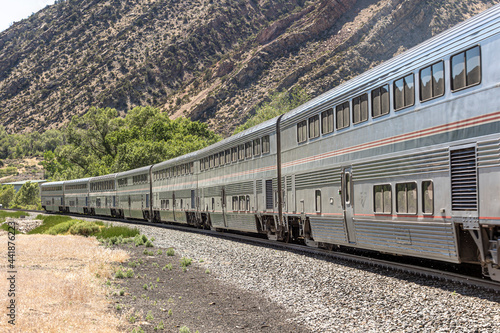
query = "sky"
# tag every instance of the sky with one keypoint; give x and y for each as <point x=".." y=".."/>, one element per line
<point x="16" y="10"/>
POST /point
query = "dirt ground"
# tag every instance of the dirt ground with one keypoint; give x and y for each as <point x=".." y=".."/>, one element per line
<point x="159" y="299"/>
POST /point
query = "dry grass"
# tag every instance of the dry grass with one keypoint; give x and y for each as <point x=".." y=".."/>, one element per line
<point x="60" y="284"/>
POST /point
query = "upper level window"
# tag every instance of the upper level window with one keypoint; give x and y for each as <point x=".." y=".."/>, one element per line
<point x="266" y="144"/>
<point x="327" y="121"/>
<point x="234" y="152"/>
<point x="241" y="152"/>
<point x="256" y="147"/>
<point x="466" y="69"/>
<point x="342" y="115"/>
<point x="222" y="158"/>
<point x="360" y="109"/>
<point x="248" y="150"/>
<point x="228" y="156"/>
<point x="302" y="131"/>
<point x="216" y="160"/>
<point x="404" y="92"/>
<point x="211" y="159"/>
<point x="380" y="101"/>
<point x="314" y="127"/>
<point x="432" y="81"/>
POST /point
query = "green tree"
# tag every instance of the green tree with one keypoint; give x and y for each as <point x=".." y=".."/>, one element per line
<point x="28" y="196"/>
<point x="7" y="193"/>
<point x="100" y="142"/>
<point x="280" y="103"/>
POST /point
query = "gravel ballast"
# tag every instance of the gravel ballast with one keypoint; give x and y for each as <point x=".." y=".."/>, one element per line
<point x="330" y="296"/>
<point x="336" y="296"/>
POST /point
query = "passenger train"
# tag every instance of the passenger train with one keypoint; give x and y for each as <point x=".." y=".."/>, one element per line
<point x="403" y="159"/>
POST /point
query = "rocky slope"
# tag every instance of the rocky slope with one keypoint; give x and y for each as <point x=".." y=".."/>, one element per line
<point x="213" y="61"/>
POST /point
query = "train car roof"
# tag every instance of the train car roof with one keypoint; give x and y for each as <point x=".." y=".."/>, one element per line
<point x="80" y="180"/>
<point x="453" y="40"/>
<point x="266" y="127"/>
<point x="103" y="177"/>
<point x="134" y="171"/>
<point x="60" y="182"/>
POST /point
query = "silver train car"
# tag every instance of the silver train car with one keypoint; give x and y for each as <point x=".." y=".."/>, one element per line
<point x="403" y="159"/>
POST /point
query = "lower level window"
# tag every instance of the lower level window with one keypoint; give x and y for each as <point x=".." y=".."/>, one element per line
<point x="427" y="197"/>
<point x="406" y="198"/>
<point x="382" y="202"/>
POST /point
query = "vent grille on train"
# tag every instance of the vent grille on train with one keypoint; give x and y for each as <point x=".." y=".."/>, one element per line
<point x="463" y="179"/>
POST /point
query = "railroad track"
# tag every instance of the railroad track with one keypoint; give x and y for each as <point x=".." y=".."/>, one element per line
<point x="298" y="248"/>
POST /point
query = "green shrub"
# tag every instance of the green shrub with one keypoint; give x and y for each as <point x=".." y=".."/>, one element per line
<point x="117" y="231"/>
<point x="60" y="228"/>
<point x="144" y="238"/>
<point x="184" y="329"/>
<point x="49" y="222"/>
<point x="185" y="262"/>
<point x="170" y="252"/>
<point x="119" y="274"/>
<point x="84" y="228"/>
<point x="149" y="244"/>
<point x="129" y="273"/>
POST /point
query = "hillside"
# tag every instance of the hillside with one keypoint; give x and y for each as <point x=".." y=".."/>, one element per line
<point x="213" y="61"/>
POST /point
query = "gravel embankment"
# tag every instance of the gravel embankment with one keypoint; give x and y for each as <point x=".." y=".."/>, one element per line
<point x="337" y="296"/>
<point x="334" y="296"/>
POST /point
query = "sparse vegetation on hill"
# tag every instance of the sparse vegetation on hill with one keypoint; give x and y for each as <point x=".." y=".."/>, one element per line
<point x="214" y="61"/>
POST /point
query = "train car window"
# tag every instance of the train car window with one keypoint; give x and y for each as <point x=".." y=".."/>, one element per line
<point x="228" y="156"/>
<point x="235" y="204"/>
<point x="466" y="69"/>
<point x="317" y="205"/>
<point x="406" y="198"/>
<point x="314" y="127"/>
<point x="222" y="158"/>
<point x="404" y="92"/>
<point x="360" y="109"/>
<point x="242" y="202"/>
<point x="241" y="152"/>
<point x="235" y="153"/>
<point x="211" y="161"/>
<point x="248" y="149"/>
<point x="427" y="197"/>
<point x="216" y="160"/>
<point x="432" y="81"/>
<point x="380" y="101"/>
<point x="342" y="115"/>
<point x="266" y="144"/>
<point x="302" y="131"/>
<point x="256" y="147"/>
<point x="207" y="165"/>
<point x="327" y="121"/>
<point x="382" y="199"/>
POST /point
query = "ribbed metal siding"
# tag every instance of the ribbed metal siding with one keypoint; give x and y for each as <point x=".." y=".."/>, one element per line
<point x="269" y="194"/>
<point x="463" y="179"/>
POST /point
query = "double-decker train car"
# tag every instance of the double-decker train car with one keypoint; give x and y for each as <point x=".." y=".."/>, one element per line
<point x="102" y="195"/>
<point x="403" y="159"/>
<point x="52" y="196"/>
<point x="175" y="191"/>
<point x="76" y="196"/>
<point x="133" y="194"/>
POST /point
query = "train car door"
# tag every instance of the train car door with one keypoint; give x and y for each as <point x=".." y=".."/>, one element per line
<point x="223" y="205"/>
<point x="347" y="204"/>
<point x="173" y="205"/>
